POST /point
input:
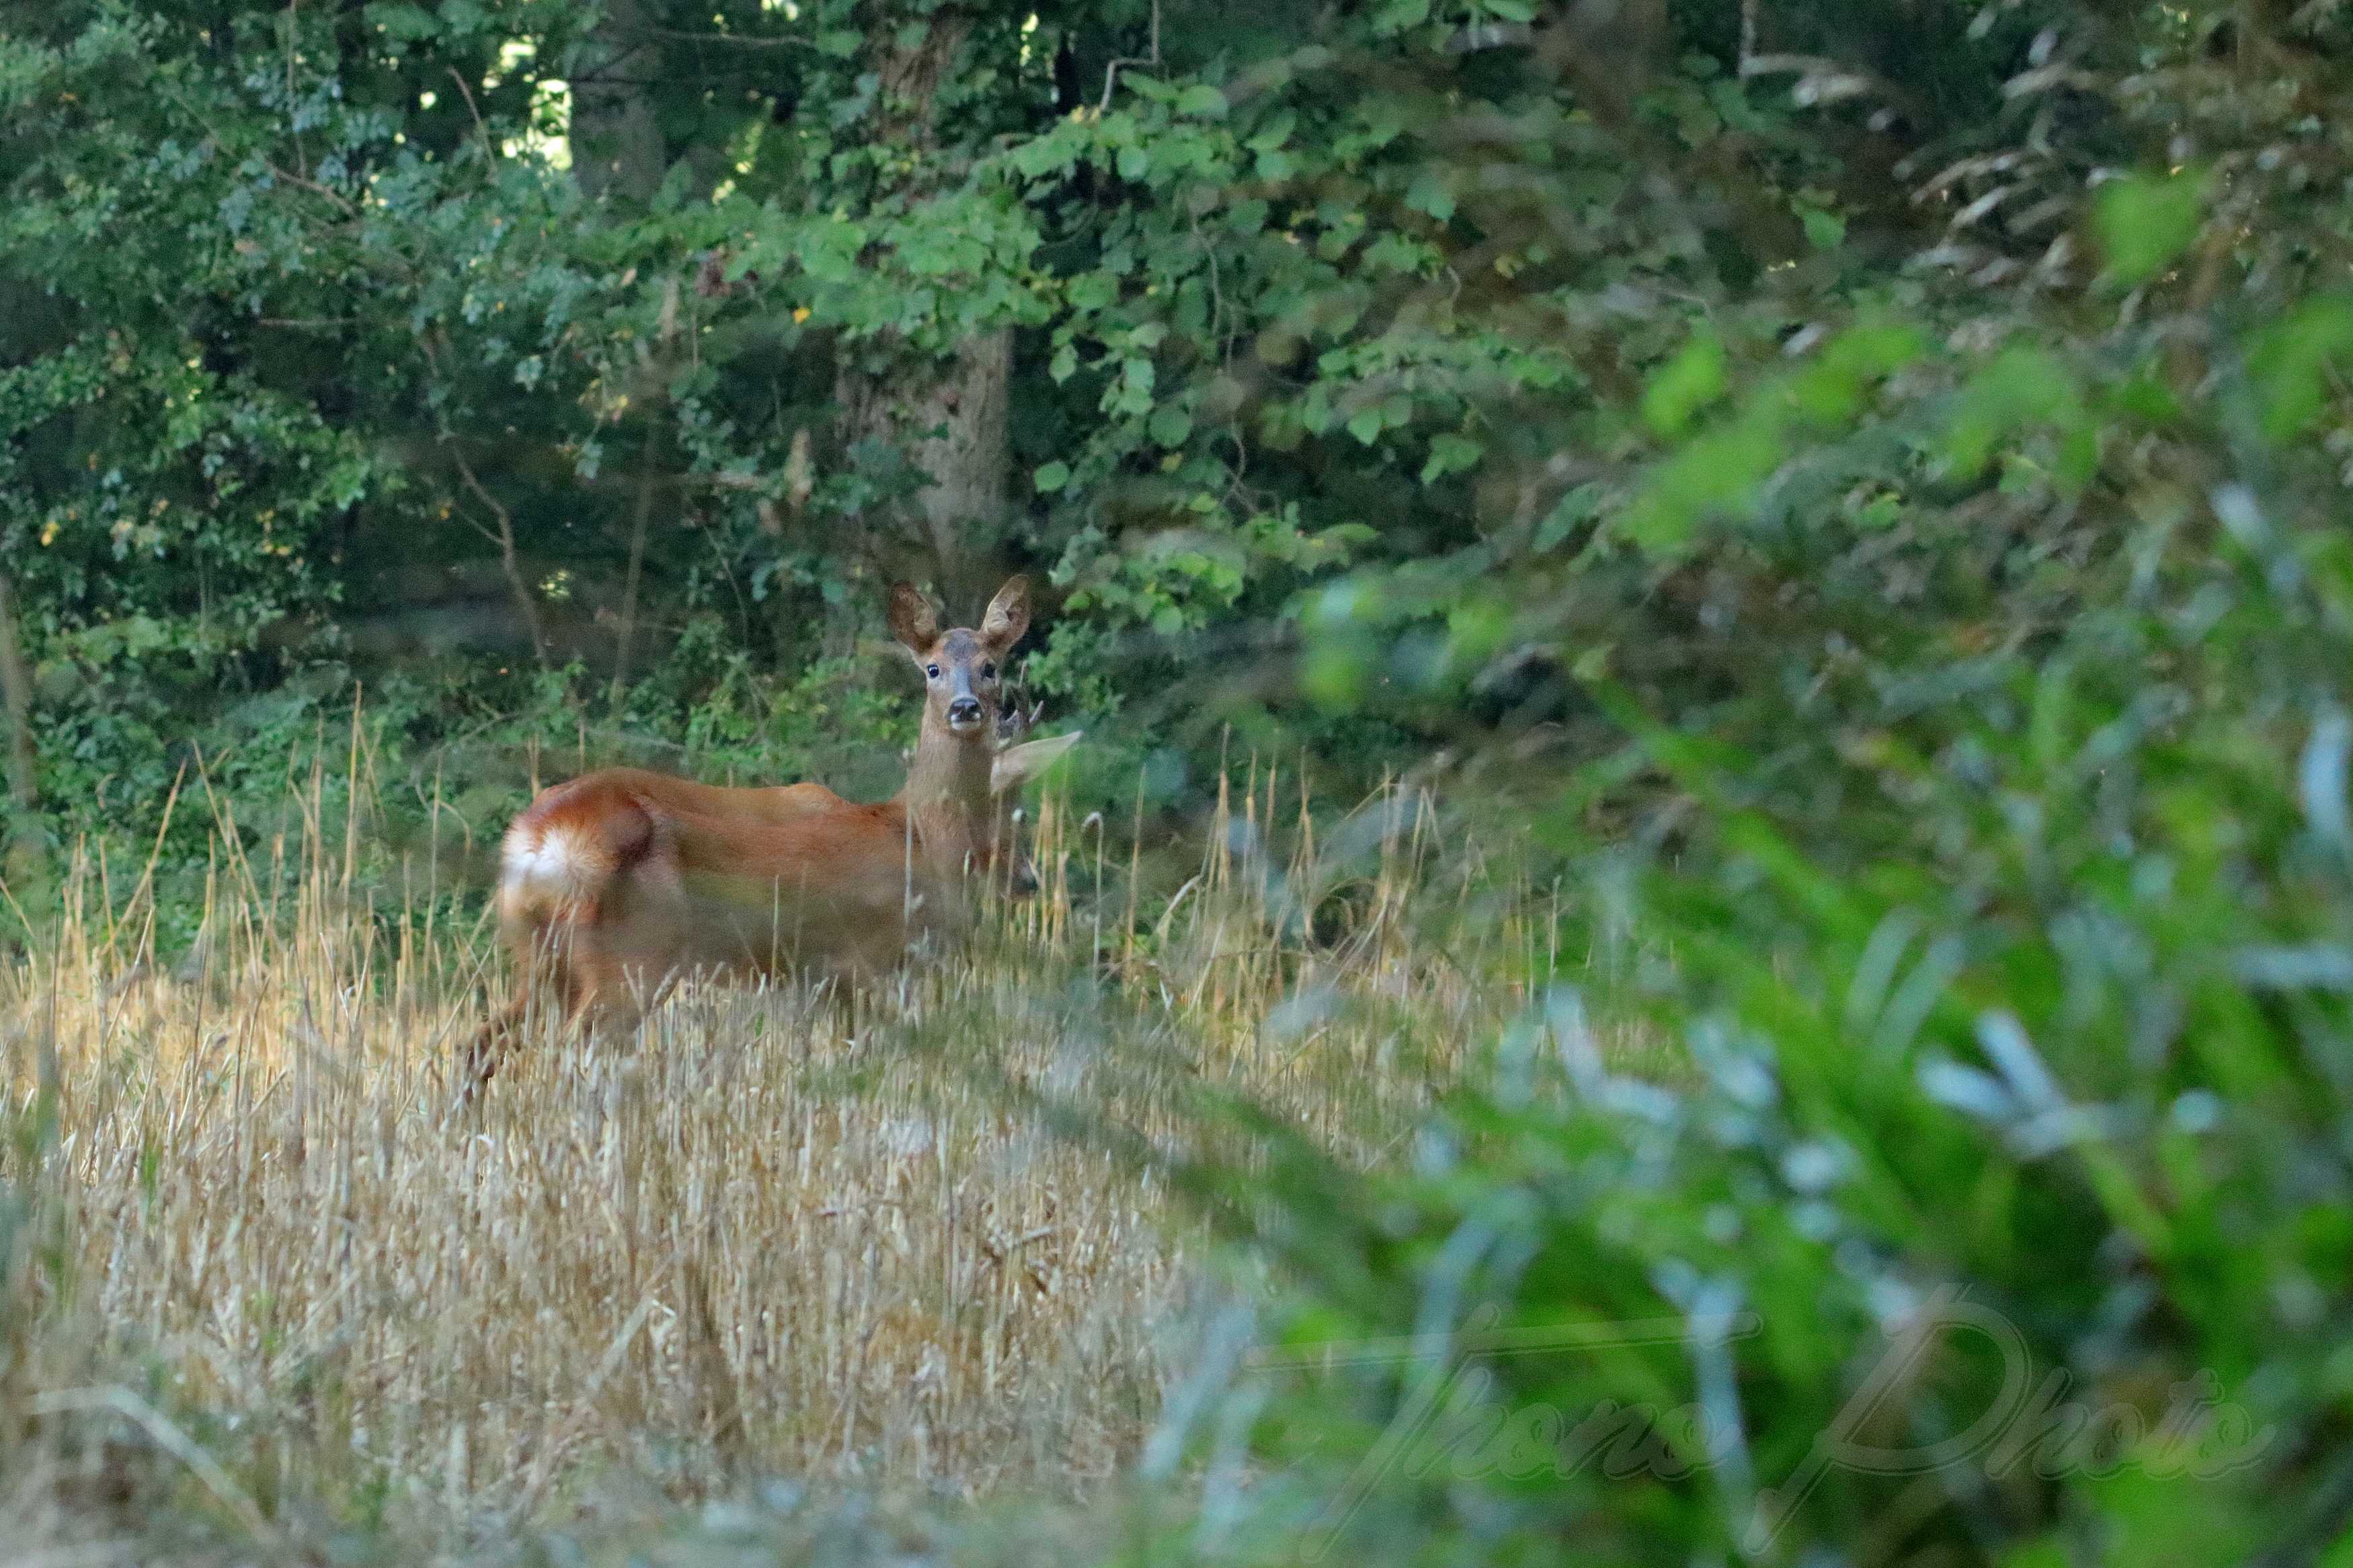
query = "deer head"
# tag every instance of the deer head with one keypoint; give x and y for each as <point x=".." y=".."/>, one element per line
<point x="1019" y="759"/>
<point x="964" y="670"/>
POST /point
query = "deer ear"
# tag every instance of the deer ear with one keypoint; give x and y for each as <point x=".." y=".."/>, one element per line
<point x="1008" y="615"/>
<point x="912" y="620"/>
<point x="1016" y="766"/>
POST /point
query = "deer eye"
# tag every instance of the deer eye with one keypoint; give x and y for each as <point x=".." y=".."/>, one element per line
<point x="988" y="671"/>
<point x="933" y="670"/>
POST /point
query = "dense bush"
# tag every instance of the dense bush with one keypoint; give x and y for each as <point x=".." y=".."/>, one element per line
<point x="1985" y="856"/>
<point x="2005" y="1210"/>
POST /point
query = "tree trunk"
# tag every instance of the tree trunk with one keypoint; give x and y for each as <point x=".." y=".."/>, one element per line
<point x="615" y="142"/>
<point x="16" y="696"/>
<point x="946" y="413"/>
<point x="949" y="416"/>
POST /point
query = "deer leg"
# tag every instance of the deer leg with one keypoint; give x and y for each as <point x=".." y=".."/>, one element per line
<point x="542" y="963"/>
<point x="491" y="1044"/>
<point x="604" y="1003"/>
<point x="624" y="960"/>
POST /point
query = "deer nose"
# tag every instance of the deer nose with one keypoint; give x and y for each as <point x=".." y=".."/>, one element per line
<point x="964" y="710"/>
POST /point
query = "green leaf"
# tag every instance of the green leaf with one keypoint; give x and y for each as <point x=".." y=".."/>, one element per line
<point x="1450" y="455"/>
<point x="1428" y="193"/>
<point x="1475" y="628"/>
<point x="2289" y="363"/>
<point x="1053" y="476"/>
<point x="1274" y="132"/>
<point x="1824" y="230"/>
<point x="1685" y="384"/>
<point x="1716" y="472"/>
<point x="1093" y="290"/>
<point x="1334" y="673"/>
<point x="1050" y="154"/>
<point x="1170" y="425"/>
<point x="402" y="20"/>
<point x="2023" y="386"/>
<point x="2148" y="220"/>
<point x="1202" y="100"/>
<point x="1579" y="506"/>
<point x="1365" y="425"/>
<point x="1832" y="389"/>
<point x="1064" y="364"/>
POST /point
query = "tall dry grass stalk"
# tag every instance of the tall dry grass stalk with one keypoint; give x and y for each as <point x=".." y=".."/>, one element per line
<point x="270" y="1272"/>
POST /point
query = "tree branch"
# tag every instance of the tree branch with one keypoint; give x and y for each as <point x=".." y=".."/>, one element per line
<point x="1110" y="76"/>
<point x="503" y="536"/>
<point x="740" y="40"/>
<point x="628" y="631"/>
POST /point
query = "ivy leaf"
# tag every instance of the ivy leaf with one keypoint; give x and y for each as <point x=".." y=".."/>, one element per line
<point x="1064" y="364"/>
<point x="1825" y="230"/>
<point x="1365" y="425"/>
<point x="1053" y="476"/>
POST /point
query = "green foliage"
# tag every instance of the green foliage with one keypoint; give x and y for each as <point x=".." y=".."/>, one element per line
<point x="1865" y="482"/>
<point x="2145" y="222"/>
<point x="2001" y="1213"/>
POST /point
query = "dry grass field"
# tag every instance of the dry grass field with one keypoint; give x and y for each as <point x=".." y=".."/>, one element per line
<point x="265" y="1272"/>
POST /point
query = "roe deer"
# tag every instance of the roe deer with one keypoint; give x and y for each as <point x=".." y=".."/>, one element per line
<point x="618" y="882"/>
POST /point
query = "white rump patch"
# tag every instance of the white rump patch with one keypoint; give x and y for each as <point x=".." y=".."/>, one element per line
<point x="556" y="859"/>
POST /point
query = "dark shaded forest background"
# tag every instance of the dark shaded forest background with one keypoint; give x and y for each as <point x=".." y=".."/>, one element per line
<point x="578" y="377"/>
<point x="1861" y="487"/>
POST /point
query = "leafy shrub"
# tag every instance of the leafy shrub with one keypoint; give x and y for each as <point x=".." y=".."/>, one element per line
<point x="2009" y="1209"/>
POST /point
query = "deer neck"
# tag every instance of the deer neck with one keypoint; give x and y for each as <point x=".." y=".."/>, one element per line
<point x="946" y="795"/>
